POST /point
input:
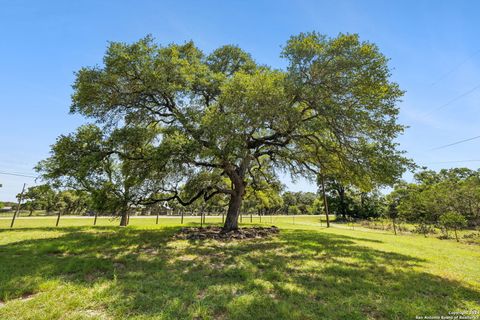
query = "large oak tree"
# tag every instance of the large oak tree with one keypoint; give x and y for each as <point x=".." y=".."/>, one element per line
<point x="225" y="119"/>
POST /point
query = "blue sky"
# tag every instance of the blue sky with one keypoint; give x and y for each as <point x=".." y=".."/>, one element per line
<point x="433" y="46"/>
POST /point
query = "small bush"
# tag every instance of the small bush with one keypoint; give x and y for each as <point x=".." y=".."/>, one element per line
<point x="453" y="220"/>
<point x="424" y="229"/>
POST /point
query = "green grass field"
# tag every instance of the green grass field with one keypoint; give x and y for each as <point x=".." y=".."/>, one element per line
<point x="78" y="271"/>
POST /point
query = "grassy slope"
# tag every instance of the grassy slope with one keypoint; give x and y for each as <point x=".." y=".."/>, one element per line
<point x="307" y="272"/>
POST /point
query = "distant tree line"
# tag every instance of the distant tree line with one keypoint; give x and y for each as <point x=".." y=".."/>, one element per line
<point x="266" y="201"/>
<point x="349" y="202"/>
<point x="45" y="197"/>
<point x="270" y="199"/>
<point x="449" y="199"/>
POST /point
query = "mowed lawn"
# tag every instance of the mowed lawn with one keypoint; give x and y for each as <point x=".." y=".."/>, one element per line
<point x="78" y="271"/>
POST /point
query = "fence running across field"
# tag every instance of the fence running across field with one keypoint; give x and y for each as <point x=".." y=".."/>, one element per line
<point x="185" y="218"/>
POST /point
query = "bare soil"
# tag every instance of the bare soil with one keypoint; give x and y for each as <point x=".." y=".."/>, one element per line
<point x="218" y="233"/>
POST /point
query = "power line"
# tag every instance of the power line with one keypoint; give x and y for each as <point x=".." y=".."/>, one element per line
<point x="455" y="143"/>
<point x="17" y="174"/>
<point x="454" y="68"/>
<point x="452" y="100"/>
<point x="454" y="161"/>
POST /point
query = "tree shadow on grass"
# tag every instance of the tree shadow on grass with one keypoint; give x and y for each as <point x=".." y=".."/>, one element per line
<point x="297" y="275"/>
<point x="59" y="228"/>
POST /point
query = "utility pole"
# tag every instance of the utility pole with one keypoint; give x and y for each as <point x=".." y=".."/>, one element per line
<point x="18" y="206"/>
<point x="325" y="203"/>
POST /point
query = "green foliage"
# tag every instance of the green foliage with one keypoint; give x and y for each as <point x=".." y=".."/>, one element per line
<point x="44" y="197"/>
<point x="392" y="211"/>
<point x="294" y="210"/>
<point x="74" y="201"/>
<point x="434" y="195"/>
<point x="220" y="121"/>
<point x="301" y="203"/>
<point x="348" y="201"/>
<point x="453" y="220"/>
<point x="41" y="197"/>
<point x="100" y="163"/>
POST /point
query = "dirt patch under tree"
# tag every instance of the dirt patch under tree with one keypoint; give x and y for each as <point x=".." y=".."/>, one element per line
<point x="218" y="233"/>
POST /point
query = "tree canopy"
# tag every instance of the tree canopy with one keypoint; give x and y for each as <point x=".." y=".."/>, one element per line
<point x="189" y="124"/>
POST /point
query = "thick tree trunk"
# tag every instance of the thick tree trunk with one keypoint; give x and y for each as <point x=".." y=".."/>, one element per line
<point x="231" y="222"/>
<point x="237" y="176"/>
<point x="124" y="218"/>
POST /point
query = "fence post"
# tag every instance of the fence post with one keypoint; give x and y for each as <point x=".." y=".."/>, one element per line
<point x="18" y="206"/>
<point x="58" y="218"/>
